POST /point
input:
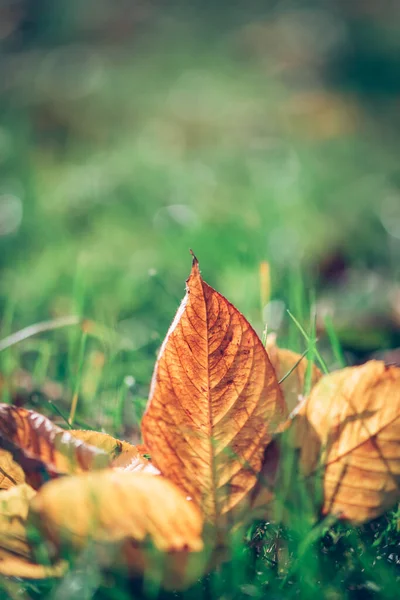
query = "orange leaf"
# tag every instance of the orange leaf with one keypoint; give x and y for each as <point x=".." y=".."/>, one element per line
<point x="16" y="558"/>
<point x="122" y="454"/>
<point x="137" y="517"/>
<point x="350" y="425"/>
<point x="283" y="361"/>
<point x="42" y="448"/>
<point x="214" y="402"/>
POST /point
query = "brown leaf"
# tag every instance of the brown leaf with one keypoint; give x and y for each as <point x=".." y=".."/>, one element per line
<point x="122" y="454"/>
<point x="214" y="402"/>
<point x="350" y="426"/>
<point x="16" y="557"/>
<point x="283" y="361"/>
<point x="42" y="448"/>
<point x="131" y="518"/>
<point x="10" y="472"/>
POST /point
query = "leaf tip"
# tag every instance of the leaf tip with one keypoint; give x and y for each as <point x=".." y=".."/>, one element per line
<point x="195" y="262"/>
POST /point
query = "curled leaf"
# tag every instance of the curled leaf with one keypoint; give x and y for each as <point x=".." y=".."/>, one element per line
<point x="292" y="369"/>
<point x="134" y="520"/>
<point x="16" y="557"/>
<point x="41" y="448"/>
<point x="349" y="431"/>
<point x="214" y="402"/>
<point x="122" y="454"/>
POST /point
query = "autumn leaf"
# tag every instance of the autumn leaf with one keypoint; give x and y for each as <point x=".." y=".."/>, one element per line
<point x="136" y="516"/>
<point x="41" y="448"/>
<point x="122" y="454"/>
<point x="16" y="556"/>
<point x="12" y="566"/>
<point x="14" y="504"/>
<point x="348" y="432"/>
<point x="11" y="472"/>
<point x="214" y="402"/>
<point x="284" y="361"/>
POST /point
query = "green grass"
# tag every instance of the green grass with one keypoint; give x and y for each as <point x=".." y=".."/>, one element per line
<point x="185" y="142"/>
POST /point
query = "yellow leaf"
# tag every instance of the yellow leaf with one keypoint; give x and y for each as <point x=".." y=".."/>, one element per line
<point x="283" y="361"/>
<point x="214" y="402"/>
<point x="16" y="557"/>
<point x="134" y="520"/>
<point x="349" y="430"/>
<point x="10" y="472"/>
<point x="122" y="454"/>
<point x="12" y="566"/>
<point x="42" y="448"/>
<point x="14" y="504"/>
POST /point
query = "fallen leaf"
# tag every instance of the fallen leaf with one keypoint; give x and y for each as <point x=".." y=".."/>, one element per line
<point x="122" y="454"/>
<point x="348" y="432"/>
<point x="214" y="402"/>
<point x="134" y="520"/>
<point x="14" y="504"/>
<point x="41" y="448"/>
<point x="16" y="556"/>
<point x="11" y="472"/>
<point x="12" y="566"/>
<point x="283" y="361"/>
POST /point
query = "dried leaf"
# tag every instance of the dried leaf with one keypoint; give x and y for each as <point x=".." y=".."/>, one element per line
<point x="16" y="557"/>
<point x="350" y="426"/>
<point x="122" y="454"/>
<point x="214" y="402"/>
<point x="14" y="504"/>
<point x="10" y="472"/>
<point x="130" y="518"/>
<point x="283" y="361"/>
<point x="41" y="448"/>
<point x="13" y="566"/>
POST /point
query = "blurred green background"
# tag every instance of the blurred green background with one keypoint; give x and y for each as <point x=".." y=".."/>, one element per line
<point x="247" y="131"/>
